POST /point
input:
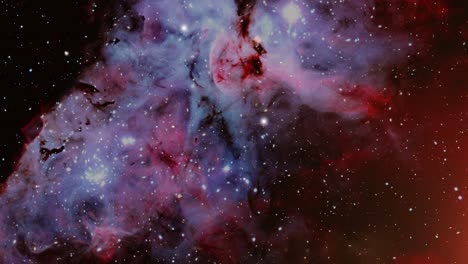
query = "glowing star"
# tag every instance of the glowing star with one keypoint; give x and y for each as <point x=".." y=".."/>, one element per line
<point x="97" y="177"/>
<point x="226" y="169"/>
<point x="257" y="39"/>
<point x="184" y="28"/>
<point x="264" y="121"/>
<point x="291" y="13"/>
<point x="128" y="141"/>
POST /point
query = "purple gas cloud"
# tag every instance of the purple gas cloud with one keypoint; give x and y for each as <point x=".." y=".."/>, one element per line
<point x="170" y="147"/>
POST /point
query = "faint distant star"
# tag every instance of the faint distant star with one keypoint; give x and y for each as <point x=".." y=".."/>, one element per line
<point x="291" y="13"/>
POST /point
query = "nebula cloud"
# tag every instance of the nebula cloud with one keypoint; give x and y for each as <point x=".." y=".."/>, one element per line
<point x="169" y="148"/>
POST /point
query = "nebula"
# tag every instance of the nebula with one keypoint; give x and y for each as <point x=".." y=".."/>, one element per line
<point x="207" y="132"/>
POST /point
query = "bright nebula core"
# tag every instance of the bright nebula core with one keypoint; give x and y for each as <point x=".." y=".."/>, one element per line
<point x="239" y="131"/>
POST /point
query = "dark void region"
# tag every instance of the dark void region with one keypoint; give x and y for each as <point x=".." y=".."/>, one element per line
<point x="45" y="45"/>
